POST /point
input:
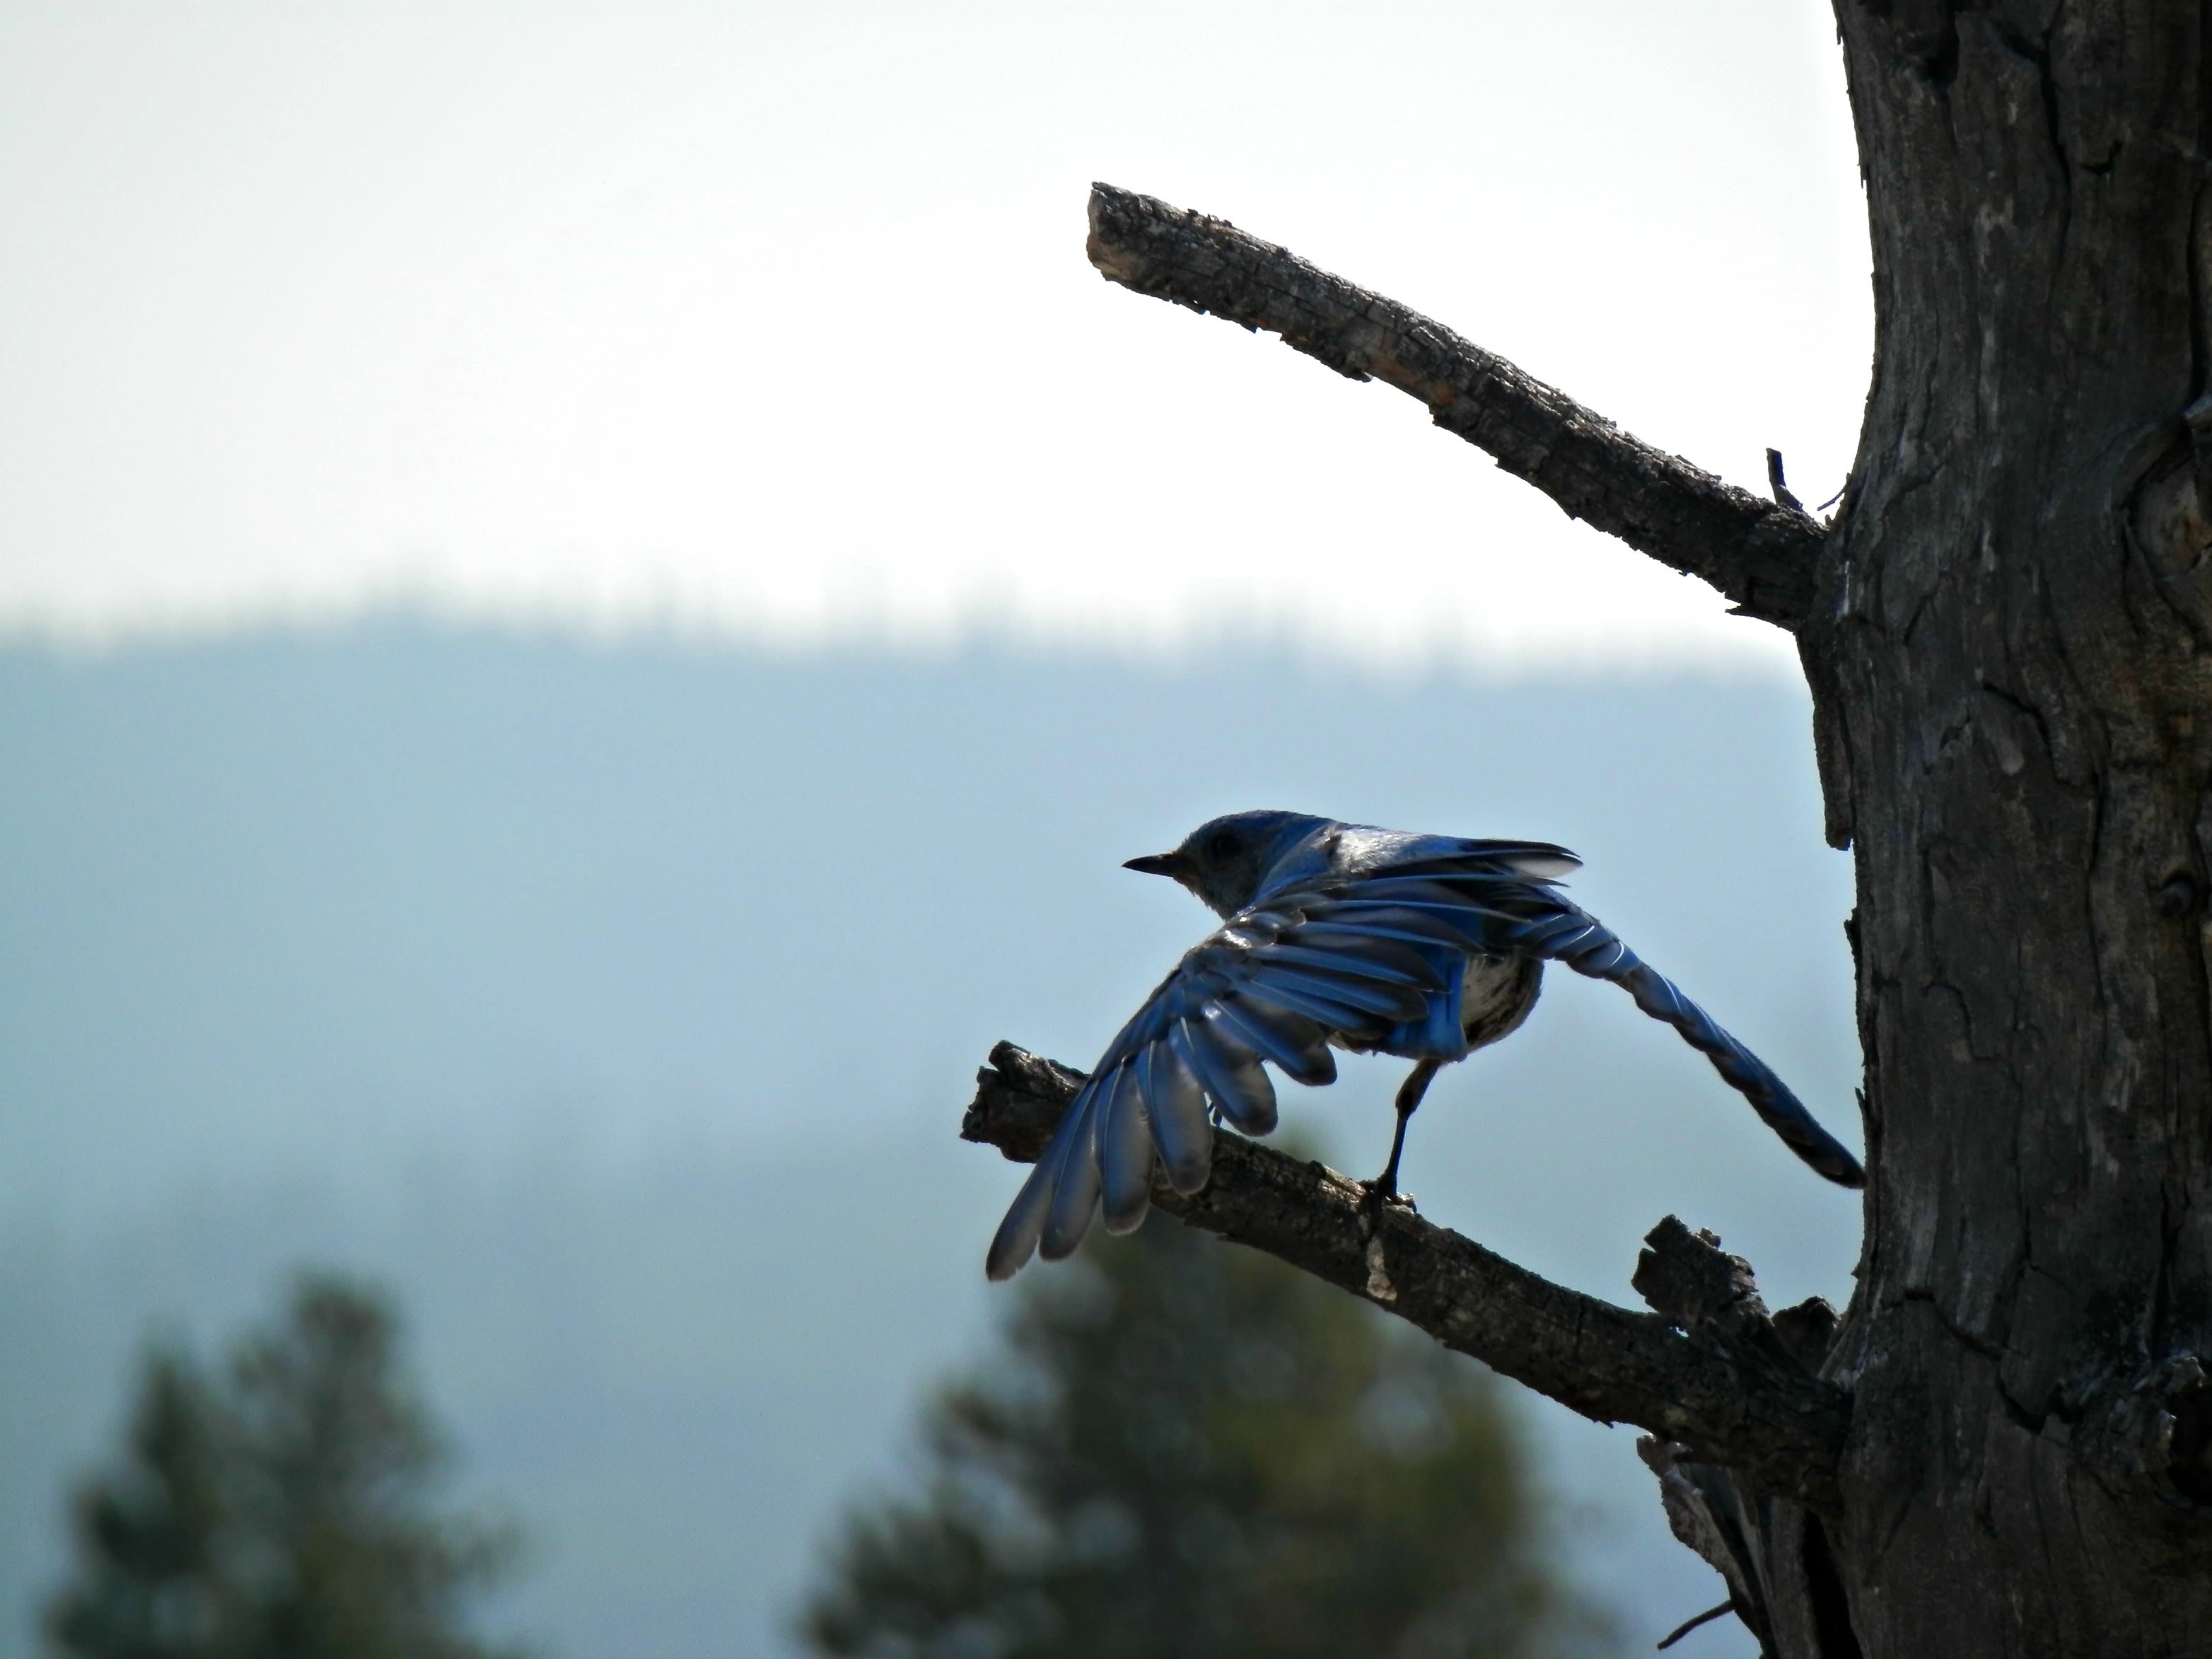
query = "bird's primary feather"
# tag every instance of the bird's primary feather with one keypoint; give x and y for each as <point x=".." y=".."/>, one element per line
<point x="1347" y="936"/>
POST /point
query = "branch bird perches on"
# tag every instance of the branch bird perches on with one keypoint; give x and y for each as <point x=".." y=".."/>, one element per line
<point x="1710" y="1371"/>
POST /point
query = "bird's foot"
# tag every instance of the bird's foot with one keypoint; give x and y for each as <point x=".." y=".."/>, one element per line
<point x="1375" y="1194"/>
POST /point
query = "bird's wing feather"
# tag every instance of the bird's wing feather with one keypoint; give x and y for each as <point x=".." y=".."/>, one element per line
<point x="1279" y="982"/>
<point x="1126" y="1150"/>
<point x="1230" y="1070"/>
<point x="1500" y="894"/>
<point x="1574" y="937"/>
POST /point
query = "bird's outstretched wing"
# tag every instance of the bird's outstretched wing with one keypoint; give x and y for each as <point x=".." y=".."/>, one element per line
<point x="1370" y="959"/>
<point x="1578" y="940"/>
<point x="1529" y="918"/>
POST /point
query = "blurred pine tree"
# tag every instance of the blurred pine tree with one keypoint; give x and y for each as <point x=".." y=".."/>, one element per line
<point x="1192" y="1450"/>
<point x="281" y="1511"/>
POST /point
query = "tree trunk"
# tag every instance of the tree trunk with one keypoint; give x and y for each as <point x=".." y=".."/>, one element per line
<point x="2005" y="1448"/>
<point x="2007" y="654"/>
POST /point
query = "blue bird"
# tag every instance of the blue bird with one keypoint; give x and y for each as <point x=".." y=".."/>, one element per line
<point x="1339" y="935"/>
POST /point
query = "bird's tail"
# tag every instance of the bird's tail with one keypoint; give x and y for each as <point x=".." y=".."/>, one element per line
<point x="1573" y="937"/>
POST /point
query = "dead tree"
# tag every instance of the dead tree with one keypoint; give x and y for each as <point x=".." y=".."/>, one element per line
<point x="2003" y="1446"/>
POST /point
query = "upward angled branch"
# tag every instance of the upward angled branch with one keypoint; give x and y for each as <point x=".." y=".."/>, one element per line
<point x="1714" y="1375"/>
<point x="1757" y="553"/>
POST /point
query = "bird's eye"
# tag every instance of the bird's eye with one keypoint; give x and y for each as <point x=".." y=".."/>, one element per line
<point x="1223" y="845"/>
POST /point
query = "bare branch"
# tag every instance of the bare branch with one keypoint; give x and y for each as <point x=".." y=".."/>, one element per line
<point x="1758" y="553"/>
<point x="1728" y="1391"/>
<point x="1692" y="1622"/>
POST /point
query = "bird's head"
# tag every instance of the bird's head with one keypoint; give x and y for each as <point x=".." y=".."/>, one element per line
<point x="1225" y="860"/>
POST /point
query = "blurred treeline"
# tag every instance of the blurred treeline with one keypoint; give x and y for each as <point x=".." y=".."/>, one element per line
<point x="1175" y="1447"/>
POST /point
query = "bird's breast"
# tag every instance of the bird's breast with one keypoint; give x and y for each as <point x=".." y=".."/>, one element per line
<point x="1496" y="996"/>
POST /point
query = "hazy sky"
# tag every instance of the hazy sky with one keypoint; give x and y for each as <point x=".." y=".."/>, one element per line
<point x="775" y="320"/>
<point x="446" y="956"/>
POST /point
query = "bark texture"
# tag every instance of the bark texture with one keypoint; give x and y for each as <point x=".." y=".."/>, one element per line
<point x="2007" y="633"/>
<point x="2008" y="663"/>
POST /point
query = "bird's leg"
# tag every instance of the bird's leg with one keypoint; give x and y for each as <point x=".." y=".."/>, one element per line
<point x="1385" y="1186"/>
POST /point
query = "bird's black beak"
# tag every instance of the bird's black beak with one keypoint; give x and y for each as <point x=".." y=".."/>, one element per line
<point x="1160" y="863"/>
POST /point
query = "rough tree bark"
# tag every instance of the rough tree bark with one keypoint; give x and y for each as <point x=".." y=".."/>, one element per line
<point x="2005" y="1445"/>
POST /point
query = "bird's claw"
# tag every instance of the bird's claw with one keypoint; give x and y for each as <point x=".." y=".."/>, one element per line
<point x="1373" y="1195"/>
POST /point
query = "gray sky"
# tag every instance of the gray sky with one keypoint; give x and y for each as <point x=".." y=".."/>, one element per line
<point x="774" y="320"/>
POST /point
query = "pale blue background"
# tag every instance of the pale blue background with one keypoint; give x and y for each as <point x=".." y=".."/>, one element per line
<point x="616" y="1006"/>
